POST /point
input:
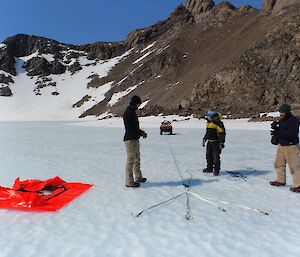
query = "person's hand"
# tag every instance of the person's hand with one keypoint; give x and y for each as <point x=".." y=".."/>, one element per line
<point x="144" y="134"/>
<point x="275" y="125"/>
<point x="221" y="146"/>
<point x="203" y="142"/>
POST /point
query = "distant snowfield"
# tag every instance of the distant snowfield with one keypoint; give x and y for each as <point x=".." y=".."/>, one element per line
<point x="24" y="105"/>
<point x="178" y="122"/>
<point x="102" y="222"/>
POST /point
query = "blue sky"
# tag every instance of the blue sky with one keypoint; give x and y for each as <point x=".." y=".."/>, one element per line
<point x="86" y="21"/>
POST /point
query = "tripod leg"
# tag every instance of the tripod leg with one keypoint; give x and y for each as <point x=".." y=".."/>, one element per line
<point x="206" y="200"/>
<point x="188" y="209"/>
<point x="156" y="205"/>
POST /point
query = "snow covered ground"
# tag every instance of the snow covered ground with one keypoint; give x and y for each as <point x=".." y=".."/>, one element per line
<point x="101" y="222"/>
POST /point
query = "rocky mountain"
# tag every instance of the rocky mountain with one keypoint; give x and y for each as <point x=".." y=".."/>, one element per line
<point x="242" y="61"/>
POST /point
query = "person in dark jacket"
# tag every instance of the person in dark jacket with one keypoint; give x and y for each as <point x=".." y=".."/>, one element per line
<point x="132" y="144"/>
<point x="288" y="149"/>
<point x="215" y="138"/>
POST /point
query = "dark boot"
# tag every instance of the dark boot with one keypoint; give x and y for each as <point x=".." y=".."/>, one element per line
<point x="133" y="184"/>
<point x="207" y="170"/>
<point x="295" y="189"/>
<point x="277" y="184"/>
<point x="141" y="180"/>
<point x="216" y="172"/>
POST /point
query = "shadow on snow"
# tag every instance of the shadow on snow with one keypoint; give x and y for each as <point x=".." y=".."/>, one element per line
<point x="191" y="183"/>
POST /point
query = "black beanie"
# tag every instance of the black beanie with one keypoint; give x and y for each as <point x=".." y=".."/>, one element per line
<point x="135" y="100"/>
<point x="284" y="108"/>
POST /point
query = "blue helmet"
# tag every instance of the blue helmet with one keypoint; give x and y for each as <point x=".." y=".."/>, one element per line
<point x="210" y="113"/>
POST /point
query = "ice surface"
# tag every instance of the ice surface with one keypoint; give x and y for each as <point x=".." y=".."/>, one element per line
<point x="101" y="222"/>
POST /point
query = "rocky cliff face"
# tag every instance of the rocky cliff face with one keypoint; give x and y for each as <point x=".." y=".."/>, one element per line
<point x="276" y="6"/>
<point x="264" y="76"/>
<point x="206" y="12"/>
<point x="268" y="6"/>
<point x="25" y="45"/>
<point x="283" y="4"/>
<point x="7" y="61"/>
<point x="204" y="55"/>
<point x="197" y="7"/>
<point x="180" y="17"/>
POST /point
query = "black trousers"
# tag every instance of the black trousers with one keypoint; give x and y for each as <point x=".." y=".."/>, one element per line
<point x="213" y="156"/>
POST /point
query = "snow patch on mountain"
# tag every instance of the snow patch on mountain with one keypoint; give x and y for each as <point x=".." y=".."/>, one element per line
<point x="122" y="80"/>
<point x="48" y="57"/>
<point x="269" y="114"/>
<point x="5" y="73"/>
<point x="28" y="57"/>
<point x="97" y="95"/>
<point x="55" y="100"/>
<point x="163" y="49"/>
<point x="84" y="61"/>
<point x="148" y="47"/>
<point x="143" y="57"/>
<point x="116" y="96"/>
<point x="144" y="104"/>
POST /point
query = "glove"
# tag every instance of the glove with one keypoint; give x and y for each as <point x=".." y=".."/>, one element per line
<point x="275" y="125"/>
<point x="203" y="143"/>
<point x="221" y="146"/>
<point x="144" y="134"/>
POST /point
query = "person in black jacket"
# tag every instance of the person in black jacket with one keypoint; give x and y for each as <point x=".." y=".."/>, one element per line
<point x="215" y="138"/>
<point x="132" y="144"/>
<point x="288" y="149"/>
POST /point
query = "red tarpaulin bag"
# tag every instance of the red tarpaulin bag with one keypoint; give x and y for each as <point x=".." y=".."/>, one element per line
<point x="38" y="195"/>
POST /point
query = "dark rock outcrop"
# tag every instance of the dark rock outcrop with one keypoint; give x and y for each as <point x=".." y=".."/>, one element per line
<point x="264" y="77"/>
<point x="6" y="79"/>
<point x="275" y="6"/>
<point x="180" y="17"/>
<point x="197" y="7"/>
<point x="72" y="54"/>
<point x="74" y="67"/>
<point x="211" y="15"/>
<point x="103" y="50"/>
<point x="283" y="4"/>
<point x="7" y="61"/>
<point x="5" y="91"/>
<point x="268" y="6"/>
<point x="39" y="66"/>
<point x="57" y="67"/>
<point x="84" y="99"/>
<point x="24" y="45"/>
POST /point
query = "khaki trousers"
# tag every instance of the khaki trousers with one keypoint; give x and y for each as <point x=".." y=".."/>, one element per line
<point x="289" y="155"/>
<point x="133" y="161"/>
